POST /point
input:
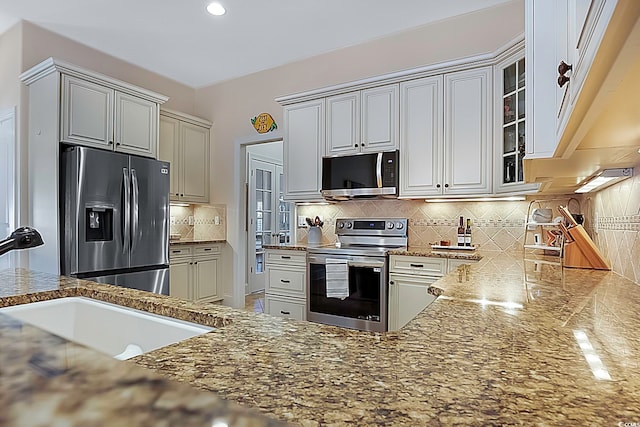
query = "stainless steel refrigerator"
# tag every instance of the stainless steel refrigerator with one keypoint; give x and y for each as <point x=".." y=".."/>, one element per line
<point x="115" y="219"/>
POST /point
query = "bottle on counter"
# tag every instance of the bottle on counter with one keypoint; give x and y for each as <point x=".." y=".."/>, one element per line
<point x="461" y="232"/>
<point x="467" y="233"/>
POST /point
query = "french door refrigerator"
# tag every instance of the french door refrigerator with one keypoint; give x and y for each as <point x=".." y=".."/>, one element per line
<point x="115" y="219"/>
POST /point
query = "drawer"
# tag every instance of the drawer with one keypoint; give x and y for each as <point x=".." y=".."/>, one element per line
<point x="180" y="251"/>
<point x="286" y="257"/>
<point x="206" y="250"/>
<point x="286" y="280"/>
<point x="285" y="307"/>
<point x="428" y="266"/>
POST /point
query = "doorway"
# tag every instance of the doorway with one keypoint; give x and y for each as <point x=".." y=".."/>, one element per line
<point x="268" y="215"/>
<point x="7" y="176"/>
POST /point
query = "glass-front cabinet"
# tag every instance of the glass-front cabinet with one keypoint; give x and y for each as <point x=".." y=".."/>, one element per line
<point x="510" y="136"/>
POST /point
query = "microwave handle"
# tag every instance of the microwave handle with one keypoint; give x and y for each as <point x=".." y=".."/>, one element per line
<point x="379" y="170"/>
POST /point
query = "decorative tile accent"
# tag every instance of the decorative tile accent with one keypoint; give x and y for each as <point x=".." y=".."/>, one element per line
<point x="204" y="222"/>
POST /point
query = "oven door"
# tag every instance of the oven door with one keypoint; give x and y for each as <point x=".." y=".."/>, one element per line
<point x="366" y="306"/>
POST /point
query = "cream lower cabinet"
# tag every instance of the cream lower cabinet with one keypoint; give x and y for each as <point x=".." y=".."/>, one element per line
<point x="409" y="280"/>
<point x="194" y="272"/>
<point x="286" y="284"/>
<point x="184" y="143"/>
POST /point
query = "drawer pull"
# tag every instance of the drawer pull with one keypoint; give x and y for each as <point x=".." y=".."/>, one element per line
<point x="285" y="281"/>
<point x="176" y="252"/>
<point x="285" y="312"/>
<point x="417" y="265"/>
<point x="207" y="249"/>
<point x="285" y="257"/>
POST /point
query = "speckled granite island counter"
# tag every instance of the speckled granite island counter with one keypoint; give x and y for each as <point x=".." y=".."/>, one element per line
<point x="510" y="345"/>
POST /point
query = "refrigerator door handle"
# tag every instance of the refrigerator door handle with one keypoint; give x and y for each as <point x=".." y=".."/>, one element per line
<point x="126" y="216"/>
<point x="135" y="211"/>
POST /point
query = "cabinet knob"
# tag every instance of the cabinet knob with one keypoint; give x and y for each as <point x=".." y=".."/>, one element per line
<point x="563" y="68"/>
<point x="438" y="185"/>
<point x="181" y="195"/>
<point x="355" y="145"/>
<point x="446" y="186"/>
<point x="110" y="142"/>
<point x="391" y="282"/>
<point x="562" y="80"/>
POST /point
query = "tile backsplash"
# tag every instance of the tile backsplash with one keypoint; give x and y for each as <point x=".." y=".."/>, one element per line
<point x="617" y="232"/>
<point x="199" y="222"/>
<point x="497" y="225"/>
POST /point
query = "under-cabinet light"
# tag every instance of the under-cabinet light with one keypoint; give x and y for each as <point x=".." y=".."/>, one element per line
<point x="479" y="199"/>
<point x="182" y="205"/>
<point x="606" y="177"/>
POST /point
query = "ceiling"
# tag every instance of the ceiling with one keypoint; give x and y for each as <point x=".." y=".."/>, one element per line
<point x="180" y="40"/>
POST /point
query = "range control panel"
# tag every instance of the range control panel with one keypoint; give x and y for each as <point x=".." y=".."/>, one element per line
<point x="373" y="227"/>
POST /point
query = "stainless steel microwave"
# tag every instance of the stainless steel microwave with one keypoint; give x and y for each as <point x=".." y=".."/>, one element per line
<point x="360" y="175"/>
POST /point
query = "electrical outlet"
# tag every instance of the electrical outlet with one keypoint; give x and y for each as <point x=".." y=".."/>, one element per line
<point x="216" y="220"/>
<point x="302" y="221"/>
<point x="191" y="220"/>
<point x="173" y="220"/>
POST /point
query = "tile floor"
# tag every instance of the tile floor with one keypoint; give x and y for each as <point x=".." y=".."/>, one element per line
<point x="254" y="302"/>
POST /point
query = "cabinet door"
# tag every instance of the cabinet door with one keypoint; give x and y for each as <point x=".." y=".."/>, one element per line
<point x="169" y="151"/>
<point x="379" y="118"/>
<point x="303" y="148"/>
<point x="421" y="137"/>
<point x="87" y="113"/>
<point x="468" y="115"/>
<point x="206" y="283"/>
<point x="179" y="280"/>
<point x="136" y="125"/>
<point x="411" y="296"/>
<point x="343" y="124"/>
<point x="195" y="163"/>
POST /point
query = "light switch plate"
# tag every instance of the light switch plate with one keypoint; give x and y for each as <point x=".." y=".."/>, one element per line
<point x="302" y="221"/>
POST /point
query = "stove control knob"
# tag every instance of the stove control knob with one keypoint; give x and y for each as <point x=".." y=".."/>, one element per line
<point x="341" y="225"/>
<point x="349" y="225"/>
<point x="399" y="225"/>
<point x="390" y="225"/>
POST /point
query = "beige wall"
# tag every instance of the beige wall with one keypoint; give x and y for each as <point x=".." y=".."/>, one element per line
<point x="10" y="63"/>
<point x="39" y="44"/>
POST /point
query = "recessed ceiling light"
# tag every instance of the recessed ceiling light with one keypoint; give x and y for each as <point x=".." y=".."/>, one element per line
<point x="216" y="9"/>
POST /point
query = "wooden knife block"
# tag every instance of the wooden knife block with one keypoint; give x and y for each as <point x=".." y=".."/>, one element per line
<point x="582" y="252"/>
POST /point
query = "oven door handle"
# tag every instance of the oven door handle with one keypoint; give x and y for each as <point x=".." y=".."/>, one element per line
<point x="372" y="264"/>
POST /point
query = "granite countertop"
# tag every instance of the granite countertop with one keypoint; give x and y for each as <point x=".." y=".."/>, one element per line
<point x="507" y="346"/>
<point x="411" y="251"/>
<point x="191" y="241"/>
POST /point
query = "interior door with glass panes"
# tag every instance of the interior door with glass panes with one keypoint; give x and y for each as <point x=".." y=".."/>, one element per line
<point x="513" y="143"/>
<point x="270" y="216"/>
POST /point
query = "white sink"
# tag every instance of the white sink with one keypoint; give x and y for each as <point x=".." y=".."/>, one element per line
<point x="118" y="331"/>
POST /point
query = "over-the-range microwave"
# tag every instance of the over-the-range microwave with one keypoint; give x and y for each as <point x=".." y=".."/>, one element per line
<point x="360" y="175"/>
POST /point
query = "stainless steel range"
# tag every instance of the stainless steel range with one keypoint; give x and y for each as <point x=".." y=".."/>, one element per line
<point x="347" y="282"/>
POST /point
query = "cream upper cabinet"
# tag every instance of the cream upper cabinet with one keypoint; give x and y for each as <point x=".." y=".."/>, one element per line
<point x="421" y="136"/>
<point x="363" y="121"/>
<point x="136" y="125"/>
<point x="304" y="137"/>
<point x="445" y="134"/>
<point x="184" y="143"/>
<point x="467" y="131"/>
<point x="559" y="32"/>
<point x="99" y="116"/>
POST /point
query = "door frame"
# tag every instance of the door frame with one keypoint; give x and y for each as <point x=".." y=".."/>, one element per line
<point x="10" y="115"/>
<point x="237" y="230"/>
